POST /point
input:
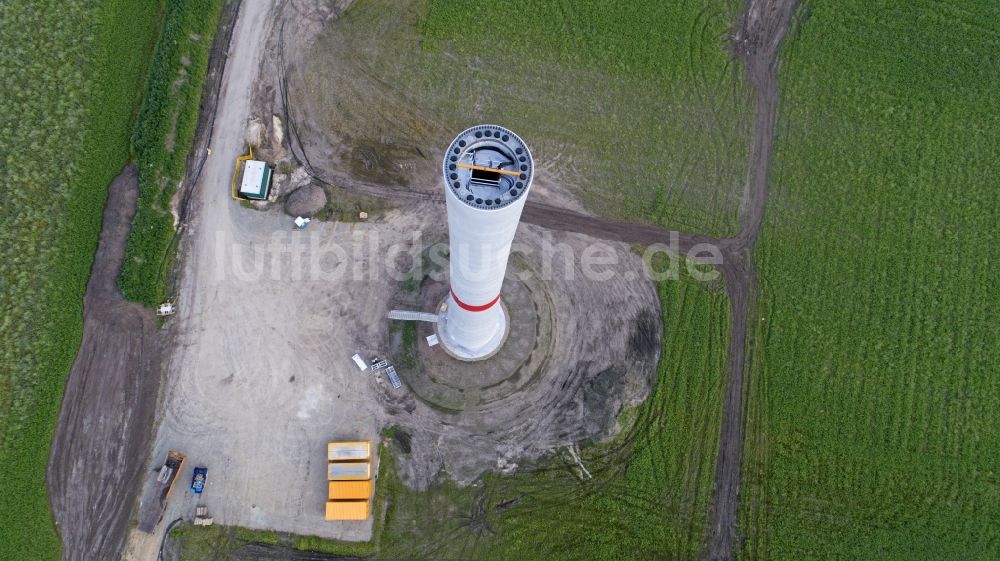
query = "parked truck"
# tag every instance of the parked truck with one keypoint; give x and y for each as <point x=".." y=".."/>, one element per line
<point x="198" y="480"/>
<point x="151" y="509"/>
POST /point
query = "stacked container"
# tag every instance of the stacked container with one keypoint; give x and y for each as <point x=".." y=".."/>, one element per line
<point x="349" y="480"/>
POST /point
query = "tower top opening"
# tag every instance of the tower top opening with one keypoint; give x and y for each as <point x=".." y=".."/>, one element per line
<point x="488" y="167"/>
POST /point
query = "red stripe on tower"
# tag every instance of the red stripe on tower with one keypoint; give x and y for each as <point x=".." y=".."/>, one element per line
<point x="471" y="308"/>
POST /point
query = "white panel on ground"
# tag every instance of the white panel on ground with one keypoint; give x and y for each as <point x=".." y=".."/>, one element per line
<point x="360" y="362"/>
<point x="413" y="316"/>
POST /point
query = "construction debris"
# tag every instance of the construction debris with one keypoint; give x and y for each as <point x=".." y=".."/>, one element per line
<point x="379" y="364"/>
<point x="579" y="463"/>
<point x="393" y="378"/>
<point x="360" y="362"/>
<point x="407" y="315"/>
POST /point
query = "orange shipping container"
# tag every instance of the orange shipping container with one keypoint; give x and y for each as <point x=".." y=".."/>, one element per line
<point x="340" y="490"/>
<point x="347" y="510"/>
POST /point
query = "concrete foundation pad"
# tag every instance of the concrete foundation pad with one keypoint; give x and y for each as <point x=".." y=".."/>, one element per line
<point x="471" y="355"/>
<point x="449" y="383"/>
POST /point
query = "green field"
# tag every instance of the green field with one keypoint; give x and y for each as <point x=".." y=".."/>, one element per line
<point x="73" y="72"/>
<point x="648" y="498"/>
<point x="635" y="107"/>
<point x="875" y="412"/>
<point x="163" y="138"/>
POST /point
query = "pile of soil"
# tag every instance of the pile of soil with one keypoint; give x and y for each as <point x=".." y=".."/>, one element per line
<point x="306" y="201"/>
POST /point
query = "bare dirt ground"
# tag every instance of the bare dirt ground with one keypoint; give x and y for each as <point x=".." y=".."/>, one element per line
<point x="93" y="473"/>
<point x="263" y="552"/>
<point x="260" y="375"/>
<point x="593" y="334"/>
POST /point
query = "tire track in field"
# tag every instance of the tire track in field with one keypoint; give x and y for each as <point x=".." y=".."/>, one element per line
<point x="757" y="41"/>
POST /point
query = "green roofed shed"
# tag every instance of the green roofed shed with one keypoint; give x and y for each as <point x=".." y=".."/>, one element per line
<point x="256" y="180"/>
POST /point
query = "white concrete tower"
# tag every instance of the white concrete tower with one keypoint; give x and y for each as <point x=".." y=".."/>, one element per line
<point x="487" y="175"/>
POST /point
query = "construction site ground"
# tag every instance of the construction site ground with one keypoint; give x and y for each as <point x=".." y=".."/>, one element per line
<point x="258" y="376"/>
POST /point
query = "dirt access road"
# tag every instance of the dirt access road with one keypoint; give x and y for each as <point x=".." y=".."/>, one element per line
<point x="106" y="418"/>
<point x="94" y="469"/>
<point x="757" y="43"/>
<point x="243" y="60"/>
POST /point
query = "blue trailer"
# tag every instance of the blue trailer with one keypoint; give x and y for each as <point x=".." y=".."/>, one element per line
<point x="198" y="479"/>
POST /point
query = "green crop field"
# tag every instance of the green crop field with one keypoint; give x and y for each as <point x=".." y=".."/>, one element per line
<point x="875" y="411"/>
<point x="648" y="498"/>
<point x="635" y="106"/>
<point x="163" y="138"/>
<point x="73" y="72"/>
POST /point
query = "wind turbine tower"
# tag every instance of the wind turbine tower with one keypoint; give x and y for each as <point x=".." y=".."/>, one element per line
<point x="487" y="175"/>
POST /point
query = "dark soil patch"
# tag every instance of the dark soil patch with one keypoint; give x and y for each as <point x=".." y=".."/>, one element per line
<point x="645" y="338"/>
<point x="264" y="552"/>
<point x="107" y="412"/>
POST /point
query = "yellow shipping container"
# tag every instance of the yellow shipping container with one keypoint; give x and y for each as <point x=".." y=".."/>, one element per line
<point x="348" y="451"/>
<point x="347" y="510"/>
<point x="348" y="471"/>
<point x="340" y="490"/>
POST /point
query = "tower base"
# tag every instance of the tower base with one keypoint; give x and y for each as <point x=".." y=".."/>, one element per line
<point x="471" y="355"/>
